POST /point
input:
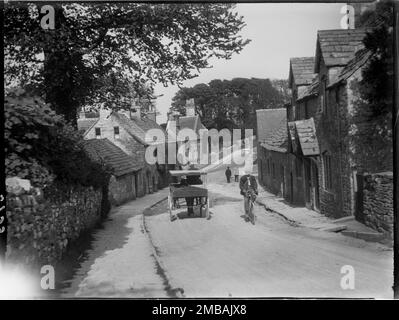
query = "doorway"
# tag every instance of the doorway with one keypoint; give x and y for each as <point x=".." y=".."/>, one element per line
<point x="308" y="183"/>
<point x="282" y="186"/>
<point x="315" y="186"/>
<point x="359" y="214"/>
<point x="291" y="188"/>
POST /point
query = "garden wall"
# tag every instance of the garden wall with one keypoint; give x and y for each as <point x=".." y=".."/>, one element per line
<point x="41" y="226"/>
<point x="378" y="202"/>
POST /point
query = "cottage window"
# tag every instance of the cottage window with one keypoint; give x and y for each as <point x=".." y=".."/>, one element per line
<point x="323" y="96"/>
<point x="297" y="112"/>
<point x="337" y="99"/>
<point x="327" y="171"/>
<point x="116" y="132"/>
<point x="268" y="167"/>
<point x="306" y="110"/>
<point x="298" y="167"/>
<point x="98" y="133"/>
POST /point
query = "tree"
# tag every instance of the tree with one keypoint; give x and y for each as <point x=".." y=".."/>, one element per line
<point x="105" y="53"/>
<point x="41" y="147"/>
<point x="373" y="110"/>
<point x="230" y="103"/>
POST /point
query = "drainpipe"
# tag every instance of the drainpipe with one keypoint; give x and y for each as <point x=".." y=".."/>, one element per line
<point x="395" y="135"/>
<point x="340" y="148"/>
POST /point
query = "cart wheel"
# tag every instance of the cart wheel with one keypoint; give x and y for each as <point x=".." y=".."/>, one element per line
<point x="170" y="207"/>
<point x="207" y="208"/>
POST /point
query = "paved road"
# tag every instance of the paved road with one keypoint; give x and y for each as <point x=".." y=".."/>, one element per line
<point x="225" y="256"/>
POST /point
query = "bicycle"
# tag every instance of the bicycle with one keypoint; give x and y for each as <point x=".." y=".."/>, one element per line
<point x="250" y="196"/>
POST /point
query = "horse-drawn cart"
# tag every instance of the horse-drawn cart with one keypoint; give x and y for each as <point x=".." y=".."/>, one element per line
<point x="189" y="192"/>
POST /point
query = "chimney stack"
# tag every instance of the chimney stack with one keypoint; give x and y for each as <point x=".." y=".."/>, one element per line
<point x="190" y="108"/>
<point x="135" y="111"/>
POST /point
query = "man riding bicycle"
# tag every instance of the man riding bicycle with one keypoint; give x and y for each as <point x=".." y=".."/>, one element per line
<point x="249" y="189"/>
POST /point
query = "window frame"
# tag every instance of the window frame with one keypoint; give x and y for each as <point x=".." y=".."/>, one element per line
<point x="327" y="161"/>
<point x="273" y="170"/>
<point x="116" y="132"/>
<point x="97" y="131"/>
<point x="306" y="109"/>
<point x="323" y="95"/>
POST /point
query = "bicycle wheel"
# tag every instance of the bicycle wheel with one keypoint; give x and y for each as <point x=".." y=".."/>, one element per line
<point x="251" y="212"/>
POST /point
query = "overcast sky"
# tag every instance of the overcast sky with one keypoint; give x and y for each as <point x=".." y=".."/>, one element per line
<point x="278" y="32"/>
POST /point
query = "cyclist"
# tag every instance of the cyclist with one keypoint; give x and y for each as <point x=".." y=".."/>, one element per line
<point x="248" y="184"/>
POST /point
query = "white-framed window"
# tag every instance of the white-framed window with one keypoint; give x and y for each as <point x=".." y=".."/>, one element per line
<point x="116" y="132"/>
<point x="323" y="95"/>
<point x="98" y="132"/>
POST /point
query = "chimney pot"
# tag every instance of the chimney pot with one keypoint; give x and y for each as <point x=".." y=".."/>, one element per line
<point x="190" y="108"/>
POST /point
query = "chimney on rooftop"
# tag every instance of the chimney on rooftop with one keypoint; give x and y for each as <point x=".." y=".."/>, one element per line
<point x="190" y="108"/>
<point x="82" y="114"/>
<point x="135" y="111"/>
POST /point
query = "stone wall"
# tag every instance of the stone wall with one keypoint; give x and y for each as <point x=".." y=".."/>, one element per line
<point x="40" y="227"/>
<point x="332" y="133"/>
<point x="271" y="180"/>
<point x="378" y="202"/>
<point x="122" y="189"/>
<point x="286" y="181"/>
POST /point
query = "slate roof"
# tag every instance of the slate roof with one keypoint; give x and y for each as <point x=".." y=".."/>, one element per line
<point x="103" y="150"/>
<point x="338" y="47"/>
<point x="278" y="138"/>
<point x="191" y="122"/>
<point x="305" y="133"/>
<point x="360" y="59"/>
<point x="301" y="71"/>
<point x="310" y="91"/>
<point x="137" y="128"/>
<point x="86" y="124"/>
<point x="268" y="120"/>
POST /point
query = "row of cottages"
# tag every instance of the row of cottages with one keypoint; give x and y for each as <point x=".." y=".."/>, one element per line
<point x="306" y="154"/>
<point x="123" y="183"/>
<point x="126" y="130"/>
<point x="192" y="121"/>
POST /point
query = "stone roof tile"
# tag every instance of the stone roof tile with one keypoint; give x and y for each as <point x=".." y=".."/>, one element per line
<point x="360" y="59"/>
<point x="301" y="70"/>
<point x="103" y="150"/>
<point x="268" y="120"/>
<point x="338" y="47"/>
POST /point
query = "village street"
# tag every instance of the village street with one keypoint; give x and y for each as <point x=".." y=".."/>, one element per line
<point x="224" y="256"/>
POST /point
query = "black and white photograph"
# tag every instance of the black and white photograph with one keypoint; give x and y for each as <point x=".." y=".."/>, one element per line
<point x="199" y="150"/>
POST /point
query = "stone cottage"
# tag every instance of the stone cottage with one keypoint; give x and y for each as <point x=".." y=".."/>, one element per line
<point x="123" y="185"/>
<point x="335" y="51"/>
<point x="272" y="156"/>
<point x="334" y="183"/>
<point x="344" y="185"/>
<point x="127" y="130"/>
<point x="301" y="133"/>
